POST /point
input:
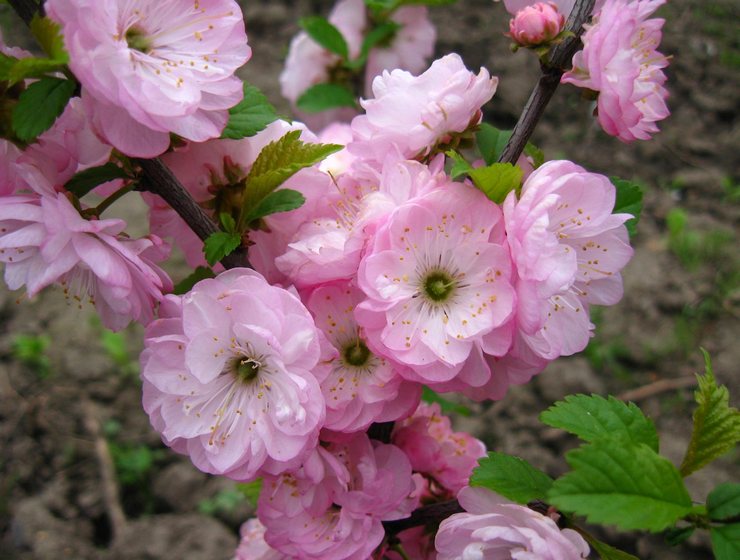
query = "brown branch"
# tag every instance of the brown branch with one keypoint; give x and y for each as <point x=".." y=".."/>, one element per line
<point x="432" y="515"/>
<point x="111" y="497"/>
<point x="26" y="9"/>
<point x="658" y="387"/>
<point x="557" y="59"/>
<point x="158" y="179"/>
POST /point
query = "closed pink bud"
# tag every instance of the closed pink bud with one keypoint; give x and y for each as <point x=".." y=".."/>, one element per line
<point x="536" y="24"/>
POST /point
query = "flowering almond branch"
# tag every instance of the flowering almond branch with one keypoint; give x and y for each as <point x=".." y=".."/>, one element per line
<point x="557" y="58"/>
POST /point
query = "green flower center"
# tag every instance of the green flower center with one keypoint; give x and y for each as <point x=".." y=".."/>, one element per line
<point x="438" y="286"/>
<point x="137" y="40"/>
<point x="245" y="369"/>
<point x="357" y="354"/>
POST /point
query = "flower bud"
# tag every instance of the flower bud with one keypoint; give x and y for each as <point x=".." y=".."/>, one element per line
<point x="536" y="24"/>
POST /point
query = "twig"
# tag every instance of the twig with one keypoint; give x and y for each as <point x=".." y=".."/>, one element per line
<point x="558" y="57"/>
<point x="107" y="471"/>
<point x="656" y="388"/>
<point x="158" y="179"/>
<point x="26" y="9"/>
<point x="432" y="514"/>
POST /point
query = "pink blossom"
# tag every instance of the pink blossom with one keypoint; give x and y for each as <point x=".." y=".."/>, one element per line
<point x="446" y="457"/>
<point x="252" y="545"/>
<point x="536" y="24"/>
<point x="227" y="379"/>
<point x="150" y="68"/>
<point x="415" y="113"/>
<point x="361" y="387"/>
<point x="332" y="507"/>
<point x="410" y="49"/>
<point x="436" y="282"/>
<point x="493" y="527"/>
<point x="9" y="180"/>
<point x="620" y="61"/>
<point x="44" y="239"/>
<point x="568" y="249"/>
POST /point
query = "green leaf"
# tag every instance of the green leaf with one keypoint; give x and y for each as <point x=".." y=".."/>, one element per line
<point x="276" y="163"/>
<point x="593" y="417"/>
<point x="497" y="180"/>
<point x="325" y="34"/>
<point x="460" y="167"/>
<point x="605" y="551"/>
<point x="251" y="115"/>
<point x="614" y="481"/>
<point x="724" y="501"/>
<point x="628" y="201"/>
<point x="491" y="142"/>
<point x="448" y="407"/>
<point x="227" y="222"/>
<point x="677" y="535"/>
<point x="40" y="105"/>
<point x="220" y="244"/>
<point x="381" y="35"/>
<point x="49" y="35"/>
<point x="85" y="181"/>
<point x="187" y="283"/>
<point x="325" y="96"/>
<point x="537" y="155"/>
<point x="6" y="63"/>
<point x="716" y="424"/>
<point x="250" y="490"/>
<point x="511" y="477"/>
<point x="726" y="542"/>
<point x="283" y="200"/>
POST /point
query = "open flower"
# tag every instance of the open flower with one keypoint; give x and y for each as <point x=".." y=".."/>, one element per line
<point x="227" y="376"/>
<point x="150" y="68"/>
<point x="436" y="283"/>
<point x="620" y="60"/>
<point x="493" y="527"/>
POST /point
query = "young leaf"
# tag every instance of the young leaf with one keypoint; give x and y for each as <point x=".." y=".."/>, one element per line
<point x="628" y="201"/>
<point x="325" y="96"/>
<point x="677" y="535"/>
<point x="614" y="481"/>
<point x="6" y="63"/>
<point x="491" y="142"/>
<point x="49" y="35"/>
<point x="250" y="490"/>
<point x="283" y="200"/>
<point x="537" y="155"/>
<point x="593" y="417"/>
<point x="724" y="501"/>
<point x="605" y="551"/>
<point x="497" y="180"/>
<point x="726" y="542"/>
<point x="40" y="105"/>
<point x="448" y="407"/>
<point x="511" y="477"/>
<point x="227" y="222"/>
<point x="85" y="181"/>
<point x="277" y="162"/>
<point x="187" y="283"/>
<point x="460" y="167"/>
<point x="325" y="34"/>
<point x="220" y="244"/>
<point x="716" y="424"/>
<point x="251" y="115"/>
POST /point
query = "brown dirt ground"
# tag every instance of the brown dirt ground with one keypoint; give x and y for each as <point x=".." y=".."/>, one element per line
<point x="51" y="498"/>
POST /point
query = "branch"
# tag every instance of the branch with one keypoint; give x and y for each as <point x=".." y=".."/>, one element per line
<point x="657" y="387"/>
<point x="26" y="9"/>
<point x="557" y="58"/>
<point x="158" y="179"/>
<point x="432" y="514"/>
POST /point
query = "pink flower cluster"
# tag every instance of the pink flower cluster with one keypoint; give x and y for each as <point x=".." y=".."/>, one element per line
<point x="620" y="60"/>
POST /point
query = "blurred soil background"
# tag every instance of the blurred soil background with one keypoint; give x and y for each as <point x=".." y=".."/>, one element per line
<point x="68" y="387"/>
